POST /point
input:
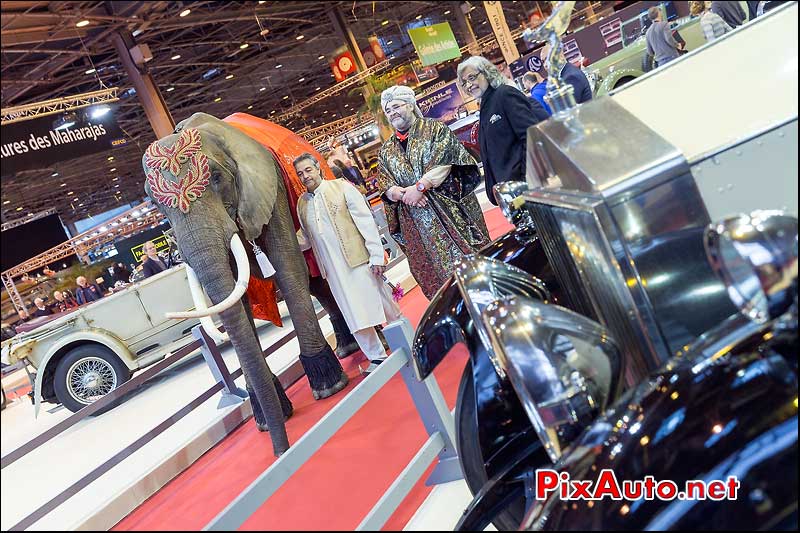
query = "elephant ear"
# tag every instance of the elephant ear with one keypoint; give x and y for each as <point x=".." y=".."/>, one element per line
<point x="257" y="176"/>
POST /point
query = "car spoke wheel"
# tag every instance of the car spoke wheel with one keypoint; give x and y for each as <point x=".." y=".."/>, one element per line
<point x="87" y="373"/>
<point x="90" y="379"/>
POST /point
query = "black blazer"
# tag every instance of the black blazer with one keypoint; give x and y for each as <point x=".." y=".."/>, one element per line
<point x="151" y="268"/>
<point x="580" y="84"/>
<point x="506" y="114"/>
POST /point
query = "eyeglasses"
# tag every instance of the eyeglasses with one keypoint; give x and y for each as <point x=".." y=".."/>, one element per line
<point x="395" y="108"/>
<point x="469" y="80"/>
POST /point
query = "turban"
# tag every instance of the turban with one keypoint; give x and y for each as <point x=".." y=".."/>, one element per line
<point x="402" y="93"/>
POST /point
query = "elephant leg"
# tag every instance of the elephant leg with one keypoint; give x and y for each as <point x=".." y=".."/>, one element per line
<point x="346" y="344"/>
<point x="286" y="404"/>
<point x="322" y="369"/>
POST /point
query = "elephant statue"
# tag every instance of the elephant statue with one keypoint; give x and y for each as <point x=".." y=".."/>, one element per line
<point x="217" y="186"/>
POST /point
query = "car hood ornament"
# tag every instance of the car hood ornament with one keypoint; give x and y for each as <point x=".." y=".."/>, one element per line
<point x="559" y="95"/>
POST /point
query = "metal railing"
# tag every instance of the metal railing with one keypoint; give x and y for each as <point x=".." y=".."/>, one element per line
<point x="431" y="407"/>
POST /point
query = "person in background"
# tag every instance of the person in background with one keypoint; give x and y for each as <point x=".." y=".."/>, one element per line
<point x="712" y="24"/>
<point x="121" y="273"/>
<point x="731" y="12"/>
<point x="63" y="302"/>
<point x="86" y="293"/>
<point x="152" y="264"/>
<point x="582" y="89"/>
<point x="505" y="116"/>
<point x="41" y="309"/>
<point x="336" y="223"/>
<point x="537" y="88"/>
<point x="428" y="180"/>
<point x="660" y="42"/>
<point x="350" y="171"/>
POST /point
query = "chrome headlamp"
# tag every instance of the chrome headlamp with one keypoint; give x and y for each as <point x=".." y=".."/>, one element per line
<point x="481" y="281"/>
<point x="509" y="197"/>
<point x="756" y="257"/>
<point x="564" y="367"/>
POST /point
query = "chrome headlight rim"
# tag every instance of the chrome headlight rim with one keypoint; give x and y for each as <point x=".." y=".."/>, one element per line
<point x="755" y="256"/>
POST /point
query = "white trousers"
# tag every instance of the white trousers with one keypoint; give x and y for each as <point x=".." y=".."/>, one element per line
<point x="370" y="343"/>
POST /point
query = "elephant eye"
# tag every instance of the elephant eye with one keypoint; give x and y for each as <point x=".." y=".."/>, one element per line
<point x="216" y="178"/>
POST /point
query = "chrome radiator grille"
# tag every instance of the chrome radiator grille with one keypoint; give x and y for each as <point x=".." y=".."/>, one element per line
<point x="578" y="248"/>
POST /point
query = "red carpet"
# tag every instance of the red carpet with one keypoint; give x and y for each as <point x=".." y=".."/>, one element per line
<point x="340" y="484"/>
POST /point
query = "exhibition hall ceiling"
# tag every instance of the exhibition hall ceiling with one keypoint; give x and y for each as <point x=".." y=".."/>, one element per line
<point x="216" y="57"/>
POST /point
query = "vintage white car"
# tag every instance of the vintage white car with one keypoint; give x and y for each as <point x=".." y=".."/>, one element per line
<point x="85" y="354"/>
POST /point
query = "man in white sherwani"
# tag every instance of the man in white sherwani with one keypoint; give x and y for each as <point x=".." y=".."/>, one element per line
<point x="337" y="224"/>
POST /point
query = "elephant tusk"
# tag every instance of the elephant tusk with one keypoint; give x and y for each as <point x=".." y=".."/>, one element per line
<point x="243" y="269"/>
<point x="200" y="303"/>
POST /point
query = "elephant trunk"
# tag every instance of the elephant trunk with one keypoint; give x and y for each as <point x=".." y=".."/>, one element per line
<point x="207" y="252"/>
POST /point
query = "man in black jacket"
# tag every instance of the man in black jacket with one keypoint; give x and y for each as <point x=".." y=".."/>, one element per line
<point x="152" y="264"/>
<point x="505" y="116"/>
<point x="731" y="12"/>
<point x="572" y="75"/>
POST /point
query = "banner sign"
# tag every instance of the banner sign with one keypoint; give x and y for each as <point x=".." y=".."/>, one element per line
<point x="402" y="75"/>
<point x="41" y="142"/>
<point x="373" y="54"/>
<point x="424" y="73"/>
<point x="342" y="64"/>
<point x="435" y="44"/>
<point x="442" y="103"/>
<point x="494" y="10"/>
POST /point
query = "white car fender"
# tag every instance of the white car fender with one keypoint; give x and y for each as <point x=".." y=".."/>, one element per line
<point x="94" y="335"/>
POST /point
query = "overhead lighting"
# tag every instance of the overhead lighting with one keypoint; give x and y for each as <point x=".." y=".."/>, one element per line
<point x="111" y="158"/>
<point x="249" y="107"/>
<point x="301" y="80"/>
<point x="7" y="202"/>
<point x="447" y="12"/>
<point x="261" y="1"/>
<point x="63" y="185"/>
<point x="185" y="12"/>
<point x="321" y="57"/>
<point x="317" y="89"/>
<point x="384" y="23"/>
<point x="30" y="214"/>
<point x="272" y="112"/>
<point x="325" y="112"/>
<point x="117" y="185"/>
<point x="90" y="71"/>
<point x="243" y="46"/>
<point x="389" y="42"/>
<point x="300" y="37"/>
<point x="229" y="76"/>
<point x="98" y="112"/>
<point x="175" y="57"/>
<point x="54" y="174"/>
<point x="278" y="65"/>
<point x="262" y="89"/>
<point x="70" y="193"/>
<point x="346" y="105"/>
<point x="286" y="97"/>
<point x="113" y="169"/>
<point x="170" y="89"/>
<point x="264" y="32"/>
<point x="82" y="23"/>
<point x="19" y="209"/>
<point x="419" y="17"/>
<point x="218" y="99"/>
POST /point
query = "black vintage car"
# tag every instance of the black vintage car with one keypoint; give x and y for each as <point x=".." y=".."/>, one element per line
<point x="618" y="329"/>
